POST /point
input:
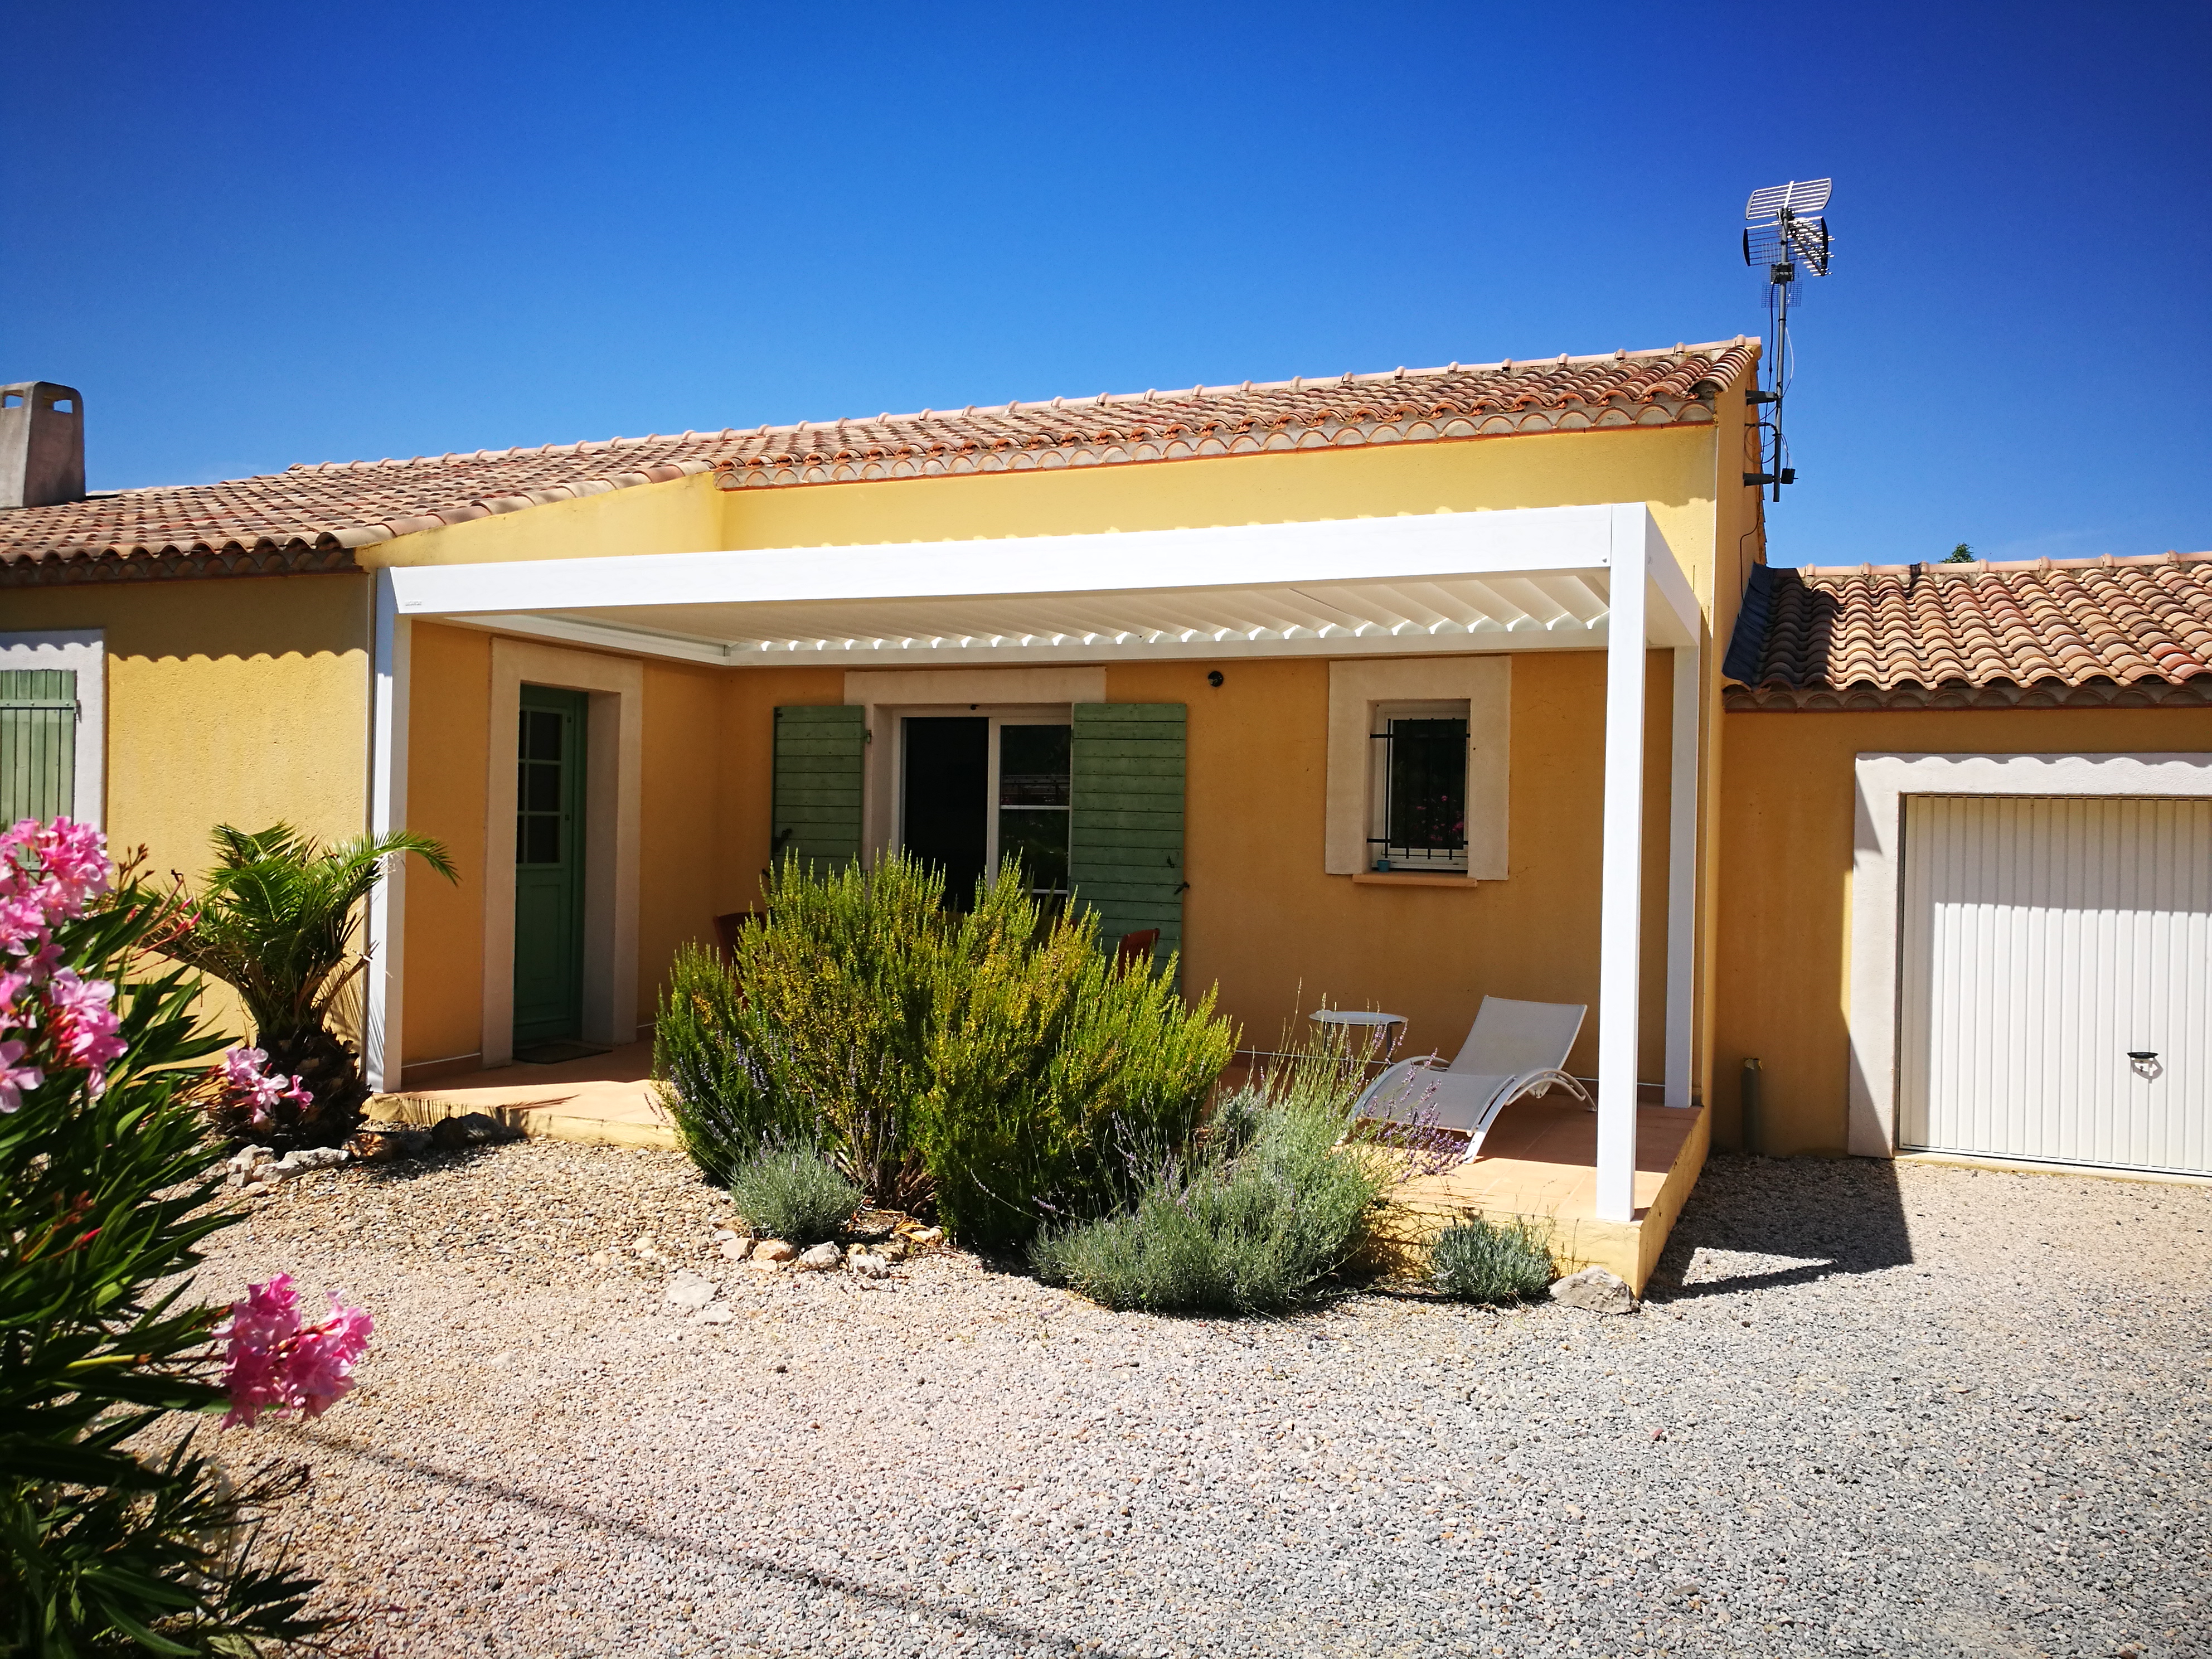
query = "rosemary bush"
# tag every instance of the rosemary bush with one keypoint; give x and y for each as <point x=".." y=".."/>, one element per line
<point x="992" y="1063"/>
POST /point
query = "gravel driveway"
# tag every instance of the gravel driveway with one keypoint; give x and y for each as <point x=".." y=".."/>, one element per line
<point x="1866" y="1409"/>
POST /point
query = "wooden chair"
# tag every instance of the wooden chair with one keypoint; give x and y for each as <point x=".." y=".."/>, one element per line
<point x="1136" y="949"/>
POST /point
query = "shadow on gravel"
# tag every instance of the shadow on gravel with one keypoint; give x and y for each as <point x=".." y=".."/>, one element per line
<point x="943" y="1612"/>
<point x="1823" y="1216"/>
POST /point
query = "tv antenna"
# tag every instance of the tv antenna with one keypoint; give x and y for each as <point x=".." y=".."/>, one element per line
<point x="1783" y="230"/>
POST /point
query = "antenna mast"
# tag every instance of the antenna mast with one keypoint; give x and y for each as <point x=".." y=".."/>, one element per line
<point x="1783" y="230"/>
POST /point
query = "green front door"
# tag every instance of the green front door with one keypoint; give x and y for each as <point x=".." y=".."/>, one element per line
<point x="548" y="867"/>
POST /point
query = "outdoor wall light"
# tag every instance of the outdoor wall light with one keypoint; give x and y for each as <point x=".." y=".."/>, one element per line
<point x="1213" y="677"/>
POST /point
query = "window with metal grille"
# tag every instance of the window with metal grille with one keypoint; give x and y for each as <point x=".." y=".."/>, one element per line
<point x="1418" y="797"/>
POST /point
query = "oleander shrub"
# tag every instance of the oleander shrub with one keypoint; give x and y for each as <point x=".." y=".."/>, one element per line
<point x="109" y="1543"/>
<point x="788" y="1192"/>
<point x="1475" y="1260"/>
<point x="1278" y="1195"/>
<point x="992" y="1063"/>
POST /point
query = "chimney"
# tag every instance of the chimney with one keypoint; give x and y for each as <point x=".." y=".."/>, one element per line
<point x="41" y="444"/>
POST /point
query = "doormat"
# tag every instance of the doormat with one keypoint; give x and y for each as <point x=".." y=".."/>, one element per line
<point x="552" y="1054"/>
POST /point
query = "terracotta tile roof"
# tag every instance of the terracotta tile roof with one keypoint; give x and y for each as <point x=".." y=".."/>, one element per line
<point x="312" y="517"/>
<point x="2064" y="632"/>
<point x="1551" y="394"/>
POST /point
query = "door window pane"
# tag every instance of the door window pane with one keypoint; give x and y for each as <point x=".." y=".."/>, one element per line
<point x="1032" y="805"/>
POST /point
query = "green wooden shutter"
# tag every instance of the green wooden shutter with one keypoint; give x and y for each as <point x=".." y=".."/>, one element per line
<point x="819" y="755"/>
<point x="1125" y="825"/>
<point x="38" y="742"/>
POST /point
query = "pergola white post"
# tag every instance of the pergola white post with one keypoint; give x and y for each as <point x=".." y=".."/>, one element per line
<point x="1620" y="893"/>
<point x="1682" y="876"/>
<point x="387" y="810"/>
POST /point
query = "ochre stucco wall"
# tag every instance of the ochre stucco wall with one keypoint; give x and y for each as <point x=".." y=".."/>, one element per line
<point x="1281" y="936"/>
<point x="448" y="743"/>
<point x="1783" y="943"/>
<point x="704" y="811"/>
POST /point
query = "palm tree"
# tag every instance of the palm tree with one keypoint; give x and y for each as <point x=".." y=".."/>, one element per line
<point x="275" y="919"/>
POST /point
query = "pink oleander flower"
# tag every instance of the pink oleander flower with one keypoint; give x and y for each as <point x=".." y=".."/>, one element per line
<point x="62" y="864"/>
<point x="48" y="873"/>
<point x="274" y="1363"/>
<point x="242" y="1073"/>
<point x="13" y="1004"/>
<point x="81" y="1023"/>
<point x="13" y="1078"/>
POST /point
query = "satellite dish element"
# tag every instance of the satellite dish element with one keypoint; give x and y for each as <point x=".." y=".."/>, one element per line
<point x="1784" y="229"/>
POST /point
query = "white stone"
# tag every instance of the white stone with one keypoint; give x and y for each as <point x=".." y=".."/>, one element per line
<point x="688" y="1290"/>
<point x="821" y="1258"/>
<point x="715" y="1313"/>
<point x="867" y="1266"/>
<point x="1595" y="1289"/>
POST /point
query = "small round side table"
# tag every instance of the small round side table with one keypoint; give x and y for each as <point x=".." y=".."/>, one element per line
<point x="1384" y="1031"/>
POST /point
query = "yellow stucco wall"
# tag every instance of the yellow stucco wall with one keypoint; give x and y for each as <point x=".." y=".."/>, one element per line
<point x="1783" y="943"/>
<point x="241" y="700"/>
<point x="683" y="516"/>
<point x="1670" y="467"/>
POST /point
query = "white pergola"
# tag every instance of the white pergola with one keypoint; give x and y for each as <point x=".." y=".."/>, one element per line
<point x="1530" y="579"/>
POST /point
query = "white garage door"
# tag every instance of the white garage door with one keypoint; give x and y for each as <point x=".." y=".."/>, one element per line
<point x="2049" y="946"/>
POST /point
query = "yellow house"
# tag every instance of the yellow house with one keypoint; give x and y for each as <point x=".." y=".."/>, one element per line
<point x="1416" y="675"/>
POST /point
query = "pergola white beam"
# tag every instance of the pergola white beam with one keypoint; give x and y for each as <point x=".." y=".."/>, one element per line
<point x="594" y="631"/>
<point x="387" y="810"/>
<point x="1411" y="547"/>
<point x="1682" y="876"/>
<point x="1621" y="879"/>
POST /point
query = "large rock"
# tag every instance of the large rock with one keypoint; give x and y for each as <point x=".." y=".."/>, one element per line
<point x="1596" y="1291"/>
<point x="867" y="1266"/>
<point x="822" y="1258"/>
<point x="774" y="1249"/>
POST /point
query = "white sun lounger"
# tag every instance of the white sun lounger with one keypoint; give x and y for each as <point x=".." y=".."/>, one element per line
<point x="1516" y="1050"/>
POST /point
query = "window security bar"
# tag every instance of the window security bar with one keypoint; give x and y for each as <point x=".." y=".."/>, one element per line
<point x="1424" y="796"/>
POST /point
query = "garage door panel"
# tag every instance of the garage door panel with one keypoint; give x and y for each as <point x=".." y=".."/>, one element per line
<point x="2043" y="940"/>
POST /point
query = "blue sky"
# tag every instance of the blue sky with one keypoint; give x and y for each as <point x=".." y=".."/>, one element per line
<point x="254" y="235"/>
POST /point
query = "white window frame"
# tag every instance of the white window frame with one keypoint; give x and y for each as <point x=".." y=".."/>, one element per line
<point x="1358" y="689"/>
<point x="896" y="717"/>
<point x="85" y="651"/>
<point x="1378" y="779"/>
<point x="999" y="723"/>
